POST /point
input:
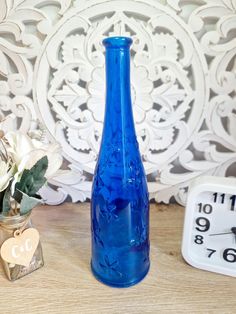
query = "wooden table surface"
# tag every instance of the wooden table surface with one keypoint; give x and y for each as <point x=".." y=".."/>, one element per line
<point x="66" y="285"/>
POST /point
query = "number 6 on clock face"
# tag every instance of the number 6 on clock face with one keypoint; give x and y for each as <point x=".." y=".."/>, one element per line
<point x="209" y="235"/>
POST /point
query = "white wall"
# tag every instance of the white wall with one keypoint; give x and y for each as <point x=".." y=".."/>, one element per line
<point x="183" y="85"/>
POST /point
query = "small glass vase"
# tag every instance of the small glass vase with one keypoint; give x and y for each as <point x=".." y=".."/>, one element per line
<point x="9" y="225"/>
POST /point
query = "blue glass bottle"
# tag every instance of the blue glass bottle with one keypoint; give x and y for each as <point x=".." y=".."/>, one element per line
<point x="119" y="203"/>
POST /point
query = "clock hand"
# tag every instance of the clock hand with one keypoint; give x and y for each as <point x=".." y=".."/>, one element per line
<point x="215" y="234"/>
<point x="233" y="230"/>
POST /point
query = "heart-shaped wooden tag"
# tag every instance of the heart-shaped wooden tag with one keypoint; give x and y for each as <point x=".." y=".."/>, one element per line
<point x="20" y="249"/>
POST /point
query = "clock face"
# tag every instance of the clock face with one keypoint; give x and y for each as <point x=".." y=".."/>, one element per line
<point x="209" y="239"/>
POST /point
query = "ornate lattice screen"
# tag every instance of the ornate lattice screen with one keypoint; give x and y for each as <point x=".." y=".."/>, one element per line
<point x="183" y="85"/>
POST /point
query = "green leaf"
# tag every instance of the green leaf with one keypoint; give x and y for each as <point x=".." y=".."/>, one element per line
<point x="6" y="203"/>
<point x="32" y="180"/>
<point x="17" y="196"/>
<point x="1" y="200"/>
<point x="27" y="203"/>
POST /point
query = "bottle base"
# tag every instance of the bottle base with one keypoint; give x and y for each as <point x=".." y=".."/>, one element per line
<point x="119" y="285"/>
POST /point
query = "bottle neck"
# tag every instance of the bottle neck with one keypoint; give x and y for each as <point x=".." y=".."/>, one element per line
<point x="118" y="112"/>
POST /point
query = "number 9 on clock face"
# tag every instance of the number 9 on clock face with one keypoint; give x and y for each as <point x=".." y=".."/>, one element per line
<point x="209" y="235"/>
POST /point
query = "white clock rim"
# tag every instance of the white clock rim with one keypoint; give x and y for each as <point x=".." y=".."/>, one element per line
<point x="200" y="185"/>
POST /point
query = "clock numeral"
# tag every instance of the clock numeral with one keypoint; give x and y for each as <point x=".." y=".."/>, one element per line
<point x="222" y="197"/>
<point x="216" y="197"/>
<point x="233" y="202"/>
<point x="198" y="239"/>
<point x="229" y="255"/>
<point x="211" y="252"/>
<point x="203" y="223"/>
<point x="206" y="208"/>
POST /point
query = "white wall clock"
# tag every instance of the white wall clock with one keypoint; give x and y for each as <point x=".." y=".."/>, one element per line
<point x="209" y="237"/>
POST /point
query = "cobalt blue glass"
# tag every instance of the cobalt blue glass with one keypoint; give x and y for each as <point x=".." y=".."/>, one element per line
<point x="119" y="203"/>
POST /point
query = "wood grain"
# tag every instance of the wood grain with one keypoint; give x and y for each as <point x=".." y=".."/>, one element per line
<point x="66" y="285"/>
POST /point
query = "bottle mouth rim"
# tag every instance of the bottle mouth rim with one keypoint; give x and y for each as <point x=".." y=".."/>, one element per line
<point x="117" y="42"/>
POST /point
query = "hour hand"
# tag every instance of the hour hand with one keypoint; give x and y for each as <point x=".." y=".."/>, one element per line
<point x="233" y="229"/>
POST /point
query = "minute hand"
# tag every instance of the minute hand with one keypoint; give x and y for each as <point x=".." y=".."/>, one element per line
<point x="215" y="234"/>
<point x="233" y="230"/>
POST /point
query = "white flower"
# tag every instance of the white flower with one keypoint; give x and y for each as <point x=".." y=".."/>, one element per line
<point x="18" y="146"/>
<point x="6" y="174"/>
<point x="52" y="152"/>
<point x="25" y="152"/>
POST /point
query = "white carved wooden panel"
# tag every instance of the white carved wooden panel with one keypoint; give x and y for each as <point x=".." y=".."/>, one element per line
<point x="183" y="85"/>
